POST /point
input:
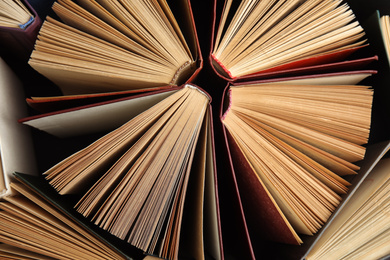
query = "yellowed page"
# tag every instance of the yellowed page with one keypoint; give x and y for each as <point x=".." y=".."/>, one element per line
<point x="373" y="182"/>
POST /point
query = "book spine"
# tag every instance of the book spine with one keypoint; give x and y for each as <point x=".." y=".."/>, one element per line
<point x="229" y="96"/>
<point x="25" y="25"/>
<point x="182" y="72"/>
<point x="222" y="67"/>
<point x="199" y="90"/>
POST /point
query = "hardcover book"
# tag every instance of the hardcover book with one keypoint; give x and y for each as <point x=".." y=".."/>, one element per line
<point x="19" y="26"/>
<point x="105" y="46"/>
<point x="254" y="40"/>
<point x="303" y="98"/>
<point x="151" y="180"/>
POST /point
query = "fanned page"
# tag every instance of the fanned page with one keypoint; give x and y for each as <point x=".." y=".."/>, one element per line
<point x="19" y="27"/>
<point x="361" y="230"/>
<point x="133" y="181"/>
<point x="112" y="45"/>
<point x="385" y="28"/>
<point x="14" y="14"/>
<point x="256" y="36"/>
<point x="13" y="252"/>
<point x="349" y="78"/>
<point x="41" y="231"/>
<point x="299" y="140"/>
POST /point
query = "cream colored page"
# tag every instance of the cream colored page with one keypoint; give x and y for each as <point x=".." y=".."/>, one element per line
<point x="13" y="13"/>
<point x="372" y="182"/>
<point x="17" y="152"/>
<point x="385" y="27"/>
<point x="42" y="209"/>
<point x="347" y="79"/>
<point x="265" y="34"/>
<point x="97" y="118"/>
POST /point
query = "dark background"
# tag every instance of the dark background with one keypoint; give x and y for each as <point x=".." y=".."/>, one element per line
<point x="50" y="149"/>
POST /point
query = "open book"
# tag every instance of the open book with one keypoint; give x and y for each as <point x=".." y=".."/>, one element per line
<point x="36" y="226"/>
<point x="151" y="180"/>
<point x="19" y="26"/>
<point x="30" y="226"/>
<point x="103" y="46"/>
<point x="360" y="230"/>
<point x="14" y="14"/>
<point x="263" y="39"/>
<point x="289" y="145"/>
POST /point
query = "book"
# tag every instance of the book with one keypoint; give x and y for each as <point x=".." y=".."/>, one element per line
<point x="28" y="231"/>
<point x="84" y="110"/>
<point x="35" y="224"/>
<point x="370" y="17"/>
<point x="262" y="39"/>
<point x="385" y="22"/>
<point x="14" y="14"/>
<point x="360" y="230"/>
<point x="151" y="180"/>
<point x="288" y="157"/>
<point x="374" y="154"/>
<point x="106" y="46"/>
<point x="19" y="26"/>
<point x="16" y="144"/>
